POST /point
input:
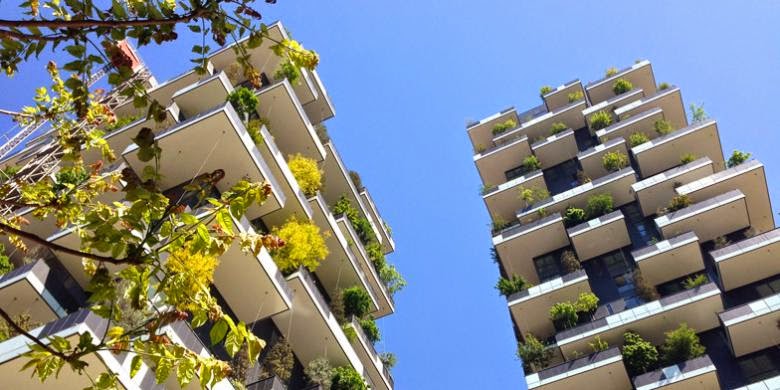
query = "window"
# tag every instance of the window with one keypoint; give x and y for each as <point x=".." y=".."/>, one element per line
<point x="548" y="266"/>
<point x="759" y="366"/>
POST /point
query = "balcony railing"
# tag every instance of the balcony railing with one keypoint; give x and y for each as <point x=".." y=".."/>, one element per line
<point x="572" y="369"/>
<point x="361" y="334"/>
<point x="681" y="372"/>
<point x="549" y="285"/>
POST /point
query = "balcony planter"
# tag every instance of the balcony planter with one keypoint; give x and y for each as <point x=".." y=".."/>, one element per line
<point x="699" y="372"/>
<point x="600" y="370"/>
<point x="599" y="235"/>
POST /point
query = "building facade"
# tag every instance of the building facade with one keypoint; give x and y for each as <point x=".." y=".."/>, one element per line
<point x="202" y="133"/>
<point x="620" y="230"/>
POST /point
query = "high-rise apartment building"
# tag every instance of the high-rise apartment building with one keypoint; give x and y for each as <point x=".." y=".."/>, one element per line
<point x="203" y="133"/>
<point x="620" y="231"/>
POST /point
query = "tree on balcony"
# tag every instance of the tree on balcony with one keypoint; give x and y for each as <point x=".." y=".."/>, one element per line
<point x="533" y="353"/>
<point x="639" y="355"/>
<point x="511" y="285"/>
<point x="737" y="157"/>
<point x="622" y="86"/>
<point x="681" y="344"/>
<point x="600" y="120"/>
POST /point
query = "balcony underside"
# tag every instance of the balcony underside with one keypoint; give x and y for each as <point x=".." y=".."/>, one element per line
<point x="670" y="259"/>
<point x="655" y="192"/>
<point x="709" y="219"/>
<point x="518" y="246"/>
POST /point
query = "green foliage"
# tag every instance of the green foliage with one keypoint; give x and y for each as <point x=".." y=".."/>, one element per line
<point x="319" y="372"/>
<point x="280" y="360"/>
<point x="304" y="246"/>
<point x="533" y="194"/>
<point x="5" y="263"/>
<point x="721" y="242"/>
<point x="599" y="205"/>
<point x="533" y="353"/>
<point x="388" y="359"/>
<point x="507" y="125"/>
<point x="587" y="302"/>
<point x="346" y="378"/>
<point x="614" y="161"/>
<point x="573" y="216"/>
<point x="639" y="355"/>
<point x="611" y="72"/>
<point x="121" y="122"/>
<point x="598" y="344"/>
<point x="663" y="126"/>
<point x="558" y="127"/>
<point x="681" y="344"/>
<point x="244" y="101"/>
<point x="697" y="113"/>
<point x="513" y="284"/>
<point x="644" y="290"/>
<point x="687" y="158"/>
<point x="392" y="278"/>
<point x="575" y="96"/>
<point x="356" y="180"/>
<point x="600" y="120"/>
<point x="357" y="302"/>
<point x="582" y="178"/>
<point x="253" y="127"/>
<point x="370" y="329"/>
<point x="9" y="171"/>
<point x="288" y="70"/>
<point x="637" y="139"/>
<point x="544" y="90"/>
<point x="570" y="262"/>
<point x="531" y="163"/>
<point x="737" y="157"/>
<point x="322" y="132"/>
<point x="23" y="320"/>
<point x="564" y="315"/>
<point x="622" y="86"/>
<point x="678" y="202"/>
<point x="692" y="282"/>
<point x="306" y="173"/>
<point x="663" y="86"/>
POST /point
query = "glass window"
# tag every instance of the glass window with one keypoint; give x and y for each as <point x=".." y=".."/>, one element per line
<point x="548" y="266"/>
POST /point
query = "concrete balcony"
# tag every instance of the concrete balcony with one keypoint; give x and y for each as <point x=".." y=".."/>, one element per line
<point x="539" y="127"/>
<point x="618" y="184"/>
<point x="311" y="328"/>
<point x="696" y="307"/>
<point x="655" y="192"/>
<point x="492" y="164"/>
<point x="599" y="235"/>
<point x="338" y="183"/>
<point x="560" y="96"/>
<point x="699" y="373"/>
<point x="748" y="261"/>
<point x="601" y="370"/>
<point x="555" y="149"/>
<point x="700" y="139"/>
<point x="640" y="123"/>
<point x="753" y="327"/>
<point x="766" y="384"/>
<point x="669" y="100"/>
<point x="203" y="95"/>
<point x="518" y="245"/>
<point x="530" y="308"/>
<point x="376" y="370"/>
<point x="213" y="140"/>
<point x="613" y="103"/>
<point x="670" y="259"/>
<point x="639" y="74"/>
<point x="709" y="219"/>
<point x="481" y="133"/>
<point x="292" y="130"/>
<point x="591" y="160"/>
<point x="28" y="290"/>
<point x="503" y="200"/>
<point x="342" y="268"/>
<point x="388" y="244"/>
<point x="748" y="177"/>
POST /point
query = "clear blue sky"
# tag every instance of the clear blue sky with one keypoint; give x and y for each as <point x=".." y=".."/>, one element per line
<point x="406" y="75"/>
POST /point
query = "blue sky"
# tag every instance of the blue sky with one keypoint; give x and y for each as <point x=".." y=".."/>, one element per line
<point x="406" y="76"/>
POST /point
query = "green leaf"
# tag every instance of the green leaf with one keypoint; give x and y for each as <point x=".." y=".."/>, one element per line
<point x="118" y="9"/>
<point x="198" y="319"/>
<point x="218" y="331"/>
<point x="76" y="50"/>
<point x="233" y="342"/>
<point x="254" y="346"/>
<point x="186" y="371"/>
<point x="225" y="221"/>
<point x="163" y="370"/>
<point x="135" y="365"/>
<point x="203" y="233"/>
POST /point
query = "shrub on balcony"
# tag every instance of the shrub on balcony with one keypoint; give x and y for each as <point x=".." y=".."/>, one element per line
<point x="587" y="302"/>
<point x="599" y="345"/>
<point x="531" y="163"/>
<point x="356" y="180"/>
<point x="370" y="329"/>
<point x="600" y="120"/>
<point x="357" y="302"/>
<point x="306" y="173"/>
<point x="498" y="224"/>
<point x="346" y="378"/>
<point x="280" y="361"/>
<point x="558" y="127"/>
<point x="564" y="315"/>
<point x="663" y="86"/>
<point x="678" y="202"/>
<point x="644" y="290"/>
<point x="5" y="263"/>
<point x="687" y="158"/>
<point x="514" y="284"/>
<point x="637" y="139"/>
<point x="376" y="255"/>
<point x="253" y="127"/>
<point x="599" y="205"/>
<point x="322" y="132"/>
<point x="692" y="282"/>
<point x="639" y="355"/>
<point x="570" y="262"/>
<point x="533" y="353"/>
<point x="573" y="216"/>
<point x="509" y="124"/>
<point x="611" y="72"/>
<point x="681" y="344"/>
<point x="737" y="157"/>
<point x="361" y="224"/>
<point x="288" y="70"/>
<point x="244" y="101"/>
<point x="319" y="372"/>
<point x="388" y="359"/>
<point x="575" y="96"/>
<point x="544" y="90"/>
<point x="663" y="126"/>
<point x="304" y="246"/>
<point x="582" y="178"/>
<point x="614" y="161"/>
<point x="697" y="113"/>
<point x="392" y="279"/>
<point x="533" y="194"/>
<point x="622" y="86"/>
